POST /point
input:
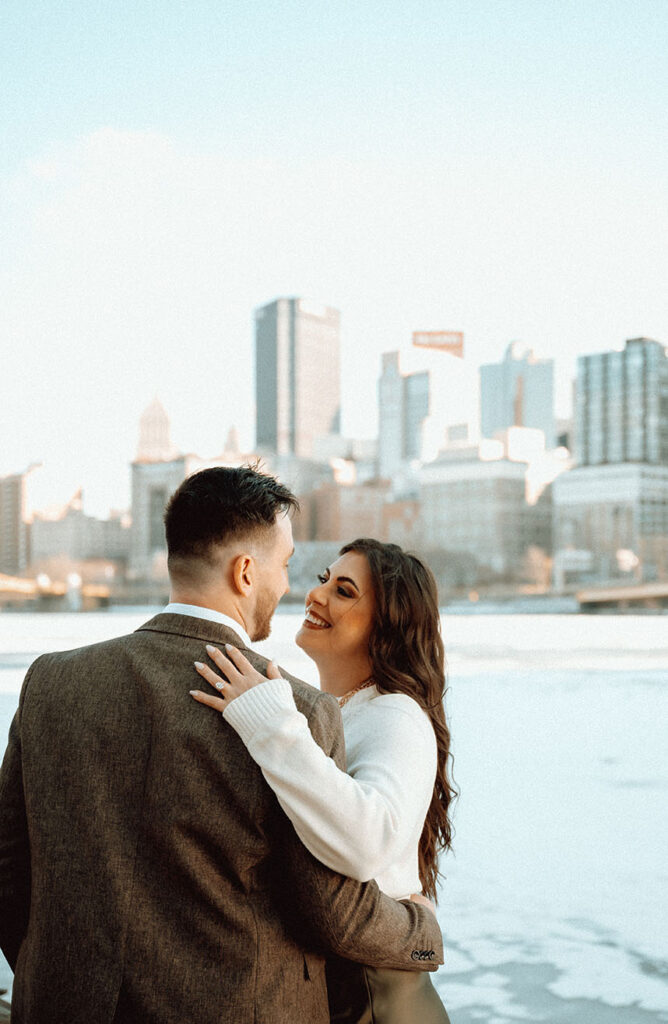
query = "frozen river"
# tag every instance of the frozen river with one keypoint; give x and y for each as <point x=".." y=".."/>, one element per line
<point x="554" y="905"/>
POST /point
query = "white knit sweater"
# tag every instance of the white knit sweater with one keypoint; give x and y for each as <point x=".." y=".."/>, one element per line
<point x="364" y="824"/>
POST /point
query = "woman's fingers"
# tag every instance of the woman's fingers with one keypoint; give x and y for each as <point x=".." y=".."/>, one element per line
<point x="205" y="698"/>
<point x="225" y="664"/>
<point x="273" y="671"/>
<point x="241" y="662"/>
<point x="210" y="676"/>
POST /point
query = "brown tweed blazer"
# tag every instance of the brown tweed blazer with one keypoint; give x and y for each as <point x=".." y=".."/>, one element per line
<point x="147" y="872"/>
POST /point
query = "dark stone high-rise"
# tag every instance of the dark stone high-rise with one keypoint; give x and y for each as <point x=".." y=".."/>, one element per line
<point x="297" y="375"/>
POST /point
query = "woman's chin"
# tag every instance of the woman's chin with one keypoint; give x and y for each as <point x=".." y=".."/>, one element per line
<point x="304" y="639"/>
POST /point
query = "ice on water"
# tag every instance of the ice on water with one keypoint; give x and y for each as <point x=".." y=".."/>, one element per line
<point x="554" y="905"/>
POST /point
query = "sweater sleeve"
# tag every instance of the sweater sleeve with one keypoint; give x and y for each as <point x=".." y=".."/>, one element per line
<point x="359" y="823"/>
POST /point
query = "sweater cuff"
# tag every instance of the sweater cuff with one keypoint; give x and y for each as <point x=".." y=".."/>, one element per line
<point x="255" y="707"/>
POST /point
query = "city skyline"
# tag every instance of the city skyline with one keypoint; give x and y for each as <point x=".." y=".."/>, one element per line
<point x="49" y="492"/>
<point x="479" y="168"/>
<point x="503" y="509"/>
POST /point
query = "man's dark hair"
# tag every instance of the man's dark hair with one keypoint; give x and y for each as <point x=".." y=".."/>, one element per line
<point x="218" y="505"/>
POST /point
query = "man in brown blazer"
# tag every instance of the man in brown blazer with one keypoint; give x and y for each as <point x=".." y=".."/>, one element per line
<point x="147" y="872"/>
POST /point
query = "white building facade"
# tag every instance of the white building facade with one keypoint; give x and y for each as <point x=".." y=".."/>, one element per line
<point x="479" y="507"/>
<point x="611" y="523"/>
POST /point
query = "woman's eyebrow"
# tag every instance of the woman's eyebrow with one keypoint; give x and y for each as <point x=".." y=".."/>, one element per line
<point x="347" y="579"/>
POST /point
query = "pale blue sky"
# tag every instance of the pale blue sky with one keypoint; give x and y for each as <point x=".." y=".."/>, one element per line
<point x="499" y="168"/>
<point x="341" y="78"/>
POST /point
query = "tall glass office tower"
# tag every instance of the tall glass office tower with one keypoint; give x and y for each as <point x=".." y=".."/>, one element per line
<point x="621" y="412"/>
<point x="297" y="375"/>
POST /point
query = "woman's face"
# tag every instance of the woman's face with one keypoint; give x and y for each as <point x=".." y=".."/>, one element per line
<point x="339" y="610"/>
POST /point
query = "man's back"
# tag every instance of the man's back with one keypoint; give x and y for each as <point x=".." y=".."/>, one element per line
<point x="147" y="873"/>
<point x="153" y="846"/>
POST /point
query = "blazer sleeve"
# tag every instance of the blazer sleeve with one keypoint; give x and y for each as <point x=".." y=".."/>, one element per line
<point x="14" y="845"/>
<point x="357" y="823"/>
<point x="355" y="920"/>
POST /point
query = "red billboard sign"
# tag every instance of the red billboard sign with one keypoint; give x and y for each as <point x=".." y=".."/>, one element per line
<point x="442" y="341"/>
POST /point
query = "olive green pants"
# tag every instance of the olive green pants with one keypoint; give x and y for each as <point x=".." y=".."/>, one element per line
<point x="378" y="995"/>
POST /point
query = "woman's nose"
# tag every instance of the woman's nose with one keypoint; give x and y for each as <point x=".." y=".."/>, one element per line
<point x="315" y="595"/>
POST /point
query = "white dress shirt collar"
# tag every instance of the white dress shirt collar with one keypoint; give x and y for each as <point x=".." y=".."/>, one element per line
<point x="197" y="612"/>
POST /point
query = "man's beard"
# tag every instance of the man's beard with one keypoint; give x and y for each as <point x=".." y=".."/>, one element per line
<point x="264" y="611"/>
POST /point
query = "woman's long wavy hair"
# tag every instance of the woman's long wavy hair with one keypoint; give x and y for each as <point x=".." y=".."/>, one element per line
<point x="407" y="656"/>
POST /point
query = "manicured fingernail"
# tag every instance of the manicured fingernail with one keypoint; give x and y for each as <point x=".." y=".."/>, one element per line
<point x="211" y="649"/>
<point x="199" y="664"/>
<point x="193" y="693"/>
<point x="229" y="647"/>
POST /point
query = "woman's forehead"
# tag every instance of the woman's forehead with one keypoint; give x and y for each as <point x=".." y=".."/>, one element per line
<point x="353" y="564"/>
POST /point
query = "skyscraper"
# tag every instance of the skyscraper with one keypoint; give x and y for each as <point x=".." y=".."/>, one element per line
<point x="403" y="405"/>
<point x="13" y="529"/>
<point x="621" y="408"/>
<point x="297" y="375"/>
<point x="518" y="392"/>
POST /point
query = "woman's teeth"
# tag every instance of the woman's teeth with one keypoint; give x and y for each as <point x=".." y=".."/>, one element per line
<point x="316" y="621"/>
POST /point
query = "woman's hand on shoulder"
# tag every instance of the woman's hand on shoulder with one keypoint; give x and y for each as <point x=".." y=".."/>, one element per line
<point x="417" y="897"/>
<point x="237" y="676"/>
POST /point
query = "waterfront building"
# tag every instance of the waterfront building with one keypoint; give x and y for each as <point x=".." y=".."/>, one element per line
<point x="621" y="409"/>
<point x="518" y="392"/>
<point x="75" y="536"/>
<point x="157" y="471"/>
<point x="474" y="501"/>
<point x="611" y="510"/>
<point x="401" y="523"/>
<point x="336" y="512"/>
<point x="340" y="509"/>
<point x="14" y="554"/>
<point x="297" y="375"/>
<point x="611" y="523"/>
<point x="357" y="457"/>
<point x="152" y="485"/>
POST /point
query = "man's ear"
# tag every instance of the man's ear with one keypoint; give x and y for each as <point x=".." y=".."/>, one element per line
<point x="243" y="574"/>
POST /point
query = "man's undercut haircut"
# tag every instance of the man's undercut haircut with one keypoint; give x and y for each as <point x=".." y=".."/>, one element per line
<point x="219" y="505"/>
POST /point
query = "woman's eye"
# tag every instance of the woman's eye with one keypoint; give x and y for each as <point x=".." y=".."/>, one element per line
<point x="343" y="592"/>
<point x="321" y="578"/>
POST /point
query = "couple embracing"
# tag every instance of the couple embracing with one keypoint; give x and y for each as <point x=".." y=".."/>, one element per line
<point x="161" y="864"/>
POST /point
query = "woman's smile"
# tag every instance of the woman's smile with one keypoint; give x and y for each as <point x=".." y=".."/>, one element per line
<point x="313" y="621"/>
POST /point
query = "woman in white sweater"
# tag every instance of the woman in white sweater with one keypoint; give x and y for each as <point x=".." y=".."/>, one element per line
<point x="372" y="627"/>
